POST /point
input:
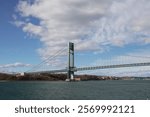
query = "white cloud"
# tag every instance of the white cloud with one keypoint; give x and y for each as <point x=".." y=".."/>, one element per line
<point x="15" y="65"/>
<point x="125" y="23"/>
<point x="93" y="24"/>
<point x="60" y="21"/>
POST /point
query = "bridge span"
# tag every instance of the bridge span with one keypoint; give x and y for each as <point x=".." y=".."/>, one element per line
<point x="112" y="66"/>
<point x="71" y="68"/>
<point x="92" y="68"/>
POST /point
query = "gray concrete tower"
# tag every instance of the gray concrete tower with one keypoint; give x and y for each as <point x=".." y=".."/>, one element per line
<point x="71" y="61"/>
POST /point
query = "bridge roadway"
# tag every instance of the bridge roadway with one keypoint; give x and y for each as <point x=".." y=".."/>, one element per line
<point x="93" y="68"/>
<point x="112" y="66"/>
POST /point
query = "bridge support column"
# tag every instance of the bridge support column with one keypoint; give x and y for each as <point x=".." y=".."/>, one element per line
<point x="70" y="74"/>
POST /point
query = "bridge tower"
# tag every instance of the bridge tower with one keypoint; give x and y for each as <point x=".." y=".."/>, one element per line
<point x="70" y="74"/>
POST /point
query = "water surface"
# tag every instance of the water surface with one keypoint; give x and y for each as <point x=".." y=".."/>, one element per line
<point x="84" y="90"/>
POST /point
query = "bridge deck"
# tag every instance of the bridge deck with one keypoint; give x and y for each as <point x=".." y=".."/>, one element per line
<point x="112" y="66"/>
<point x="50" y="72"/>
<point x="93" y="68"/>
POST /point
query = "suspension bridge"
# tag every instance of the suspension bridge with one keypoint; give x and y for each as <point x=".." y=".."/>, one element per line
<point x="71" y="69"/>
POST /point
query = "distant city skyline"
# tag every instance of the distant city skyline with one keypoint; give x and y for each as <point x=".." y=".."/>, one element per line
<point x="33" y="30"/>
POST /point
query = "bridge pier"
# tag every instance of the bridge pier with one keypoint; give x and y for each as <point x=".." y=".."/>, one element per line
<point x="70" y="73"/>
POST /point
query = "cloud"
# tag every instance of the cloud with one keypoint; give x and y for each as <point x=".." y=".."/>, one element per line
<point x="60" y="21"/>
<point x="14" y="65"/>
<point x="94" y="25"/>
<point x="126" y="23"/>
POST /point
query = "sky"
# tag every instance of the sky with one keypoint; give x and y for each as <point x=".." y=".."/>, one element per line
<point x="104" y="32"/>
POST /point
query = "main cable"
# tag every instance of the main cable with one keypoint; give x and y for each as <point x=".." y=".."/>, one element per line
<point x="48" y="59"/>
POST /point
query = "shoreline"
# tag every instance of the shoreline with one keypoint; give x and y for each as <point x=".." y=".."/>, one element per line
<point x="63" y="77"/>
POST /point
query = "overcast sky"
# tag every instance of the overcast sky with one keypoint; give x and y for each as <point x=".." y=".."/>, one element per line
<point x="32" y="30"/>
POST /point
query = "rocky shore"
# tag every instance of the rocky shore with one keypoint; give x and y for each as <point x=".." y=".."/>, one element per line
<point x="62" y="77"/>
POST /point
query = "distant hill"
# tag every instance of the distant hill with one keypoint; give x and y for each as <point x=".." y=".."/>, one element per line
<point x="62" y="77"/>
<point x="52" y="77"/>
<point x="4" y="76"/>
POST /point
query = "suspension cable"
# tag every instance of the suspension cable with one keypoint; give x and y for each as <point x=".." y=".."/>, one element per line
<point x="48" y="59"/>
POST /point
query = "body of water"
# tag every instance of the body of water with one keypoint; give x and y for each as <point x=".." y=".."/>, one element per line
<point x="84" y="90"/>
